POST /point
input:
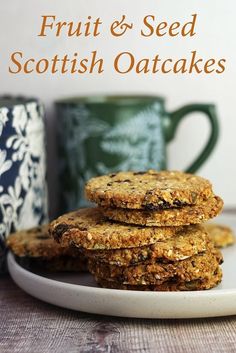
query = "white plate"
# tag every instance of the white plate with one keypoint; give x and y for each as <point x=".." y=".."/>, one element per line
<point x="79" y="292"/>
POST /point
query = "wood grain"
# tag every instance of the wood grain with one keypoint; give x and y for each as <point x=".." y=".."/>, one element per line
<point x="28" y="325"/>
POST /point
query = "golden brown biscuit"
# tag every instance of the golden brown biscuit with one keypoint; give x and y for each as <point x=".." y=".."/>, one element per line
<point x="194" y="214"/>
<point x="196" y="267"/>
<point x="221" y="235"/>
<point x="89" y="229"/>
<point x="151" y="190"/>
<point x="188" y="241"/>
<point x="35" y="247"/>
<point x="168" y="286"/>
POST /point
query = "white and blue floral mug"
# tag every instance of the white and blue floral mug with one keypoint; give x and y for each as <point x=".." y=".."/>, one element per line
<point x="23" y="190"/>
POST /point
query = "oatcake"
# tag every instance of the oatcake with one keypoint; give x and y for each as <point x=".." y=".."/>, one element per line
<point x="194" y="214"/>
<point x="221" y="235"/>
<point x="89" y="229"/>
<point x="36" y="247"/>
<point x="151" y="190"/>
<point x="35" y="242"/>
<point x="196" y="267"/>
<point x="168" y="286"/>
<point x="188" y="241"/>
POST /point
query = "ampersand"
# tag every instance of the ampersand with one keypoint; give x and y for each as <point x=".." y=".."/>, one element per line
<point x="118" y="28"/>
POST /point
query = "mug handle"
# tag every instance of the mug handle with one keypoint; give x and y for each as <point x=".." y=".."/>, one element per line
<point x="172" y="121"/>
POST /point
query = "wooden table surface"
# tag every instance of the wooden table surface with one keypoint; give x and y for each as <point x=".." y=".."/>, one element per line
<point x="29" y="325"/>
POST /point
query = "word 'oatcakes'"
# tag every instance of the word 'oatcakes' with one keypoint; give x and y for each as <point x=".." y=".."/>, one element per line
<point x="89" y="229"/>
<point x="36" y="247"/>
<point x="151" y="190"/>
<point x="188" y="241"/>
<point x="194" y="214"/>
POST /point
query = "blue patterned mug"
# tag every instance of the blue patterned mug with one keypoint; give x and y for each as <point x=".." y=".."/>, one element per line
<point x="23" y="190"/>
<point x="100" y="135"/>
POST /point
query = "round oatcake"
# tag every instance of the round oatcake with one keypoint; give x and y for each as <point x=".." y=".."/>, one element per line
<point x="89" y="229"/>
<point x="168" y="286"/>
<point x="187" y="241"/>
<point x="194" y="214"/>
<point x="196" y="267"/>
<point x="221" y="235"/>
<point x="36" y="247"/>
<point x="151" y="190"/>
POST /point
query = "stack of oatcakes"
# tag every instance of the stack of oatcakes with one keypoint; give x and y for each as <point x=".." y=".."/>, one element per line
<point x="147" y="232"/>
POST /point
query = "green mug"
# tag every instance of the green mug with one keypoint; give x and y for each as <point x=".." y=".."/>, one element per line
<point x="100" y="135"/>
